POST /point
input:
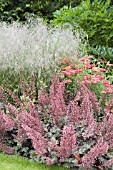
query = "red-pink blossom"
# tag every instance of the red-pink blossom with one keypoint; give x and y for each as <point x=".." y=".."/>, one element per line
<point x="63" y="63"/>
<point x="77" y="70"/>
<point x="82" y="59"/>
<point x="72" y="65"/>
<point x="95" y="80"/>
<point x="90" y="56"/>
<point x="110" y="91"/>
<point x="67" y="68"/>
<point x="103" y="61"/>
<point x="103" y="70"/>
<point x="86" y="77"/>
<point x="109" y="64"/>
<point x="59" y="58"/>
<point x="87" y="82"/>
<point x="69" y="72"/>
<point x="100" y="77"/>
<point x="67" y="81"/>
<point x="106" y="83"/>
<point x="87" y="64"/>
<point x="95" y="69"/>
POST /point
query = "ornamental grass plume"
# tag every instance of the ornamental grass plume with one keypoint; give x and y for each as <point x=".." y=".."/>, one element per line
<point x="34" y="45"/>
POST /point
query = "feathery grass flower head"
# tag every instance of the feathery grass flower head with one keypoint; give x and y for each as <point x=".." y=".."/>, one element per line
<point x="35" y="45"/>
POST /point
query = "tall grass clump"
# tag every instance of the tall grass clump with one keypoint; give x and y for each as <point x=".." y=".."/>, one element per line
<point x="34" y="45"/>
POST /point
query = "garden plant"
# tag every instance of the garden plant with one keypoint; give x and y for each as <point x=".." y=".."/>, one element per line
<point x="66" y="125"/>
<point x="95" y="18"/>
<point x="33" y="47"/>
<point x="56" y="84"/>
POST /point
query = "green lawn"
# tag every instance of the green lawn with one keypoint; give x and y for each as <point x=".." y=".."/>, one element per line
<point x="18" y="163"/>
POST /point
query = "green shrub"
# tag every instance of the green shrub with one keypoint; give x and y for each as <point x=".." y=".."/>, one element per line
<point x="16" y="10"/>
<point x="102" y="51"/>
<point x="96" y="18"/>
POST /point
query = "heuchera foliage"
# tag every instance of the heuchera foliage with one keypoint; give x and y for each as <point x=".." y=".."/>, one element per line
<point x="61" y="132"/>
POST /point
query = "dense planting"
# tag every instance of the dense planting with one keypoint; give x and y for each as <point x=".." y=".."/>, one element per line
<point x="95" y="73"/>
<point x="33" y="47"/>
<point x="56" y="82"/>
<point x="62" y="129"/>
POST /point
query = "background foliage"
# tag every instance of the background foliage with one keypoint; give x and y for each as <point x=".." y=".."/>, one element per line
<point x="94" y="17"/>
<point x="16" y="10"/>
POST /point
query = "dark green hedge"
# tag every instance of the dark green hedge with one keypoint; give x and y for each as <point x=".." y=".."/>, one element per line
<point x="17" y="9"/>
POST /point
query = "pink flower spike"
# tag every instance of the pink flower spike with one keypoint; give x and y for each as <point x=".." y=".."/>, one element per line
<point x="49" y="161"/>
